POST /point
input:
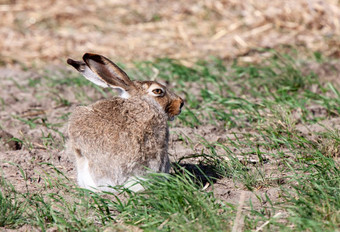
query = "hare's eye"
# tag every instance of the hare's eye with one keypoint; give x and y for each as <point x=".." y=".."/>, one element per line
<point x="158" y="91"/>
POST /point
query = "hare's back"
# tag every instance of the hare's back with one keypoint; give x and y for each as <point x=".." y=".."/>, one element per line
<point x="116" y="124"/>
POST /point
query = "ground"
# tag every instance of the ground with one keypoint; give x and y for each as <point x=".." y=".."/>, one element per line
<point x="261" y="84"/>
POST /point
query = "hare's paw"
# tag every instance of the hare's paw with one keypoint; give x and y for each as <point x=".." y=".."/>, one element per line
<point x="133" y="184"/>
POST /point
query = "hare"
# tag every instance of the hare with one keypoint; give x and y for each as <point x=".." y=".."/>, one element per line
<point x="116" y="141"/>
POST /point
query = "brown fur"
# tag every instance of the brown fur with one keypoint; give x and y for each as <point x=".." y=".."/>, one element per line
<point x="118" y="137"/>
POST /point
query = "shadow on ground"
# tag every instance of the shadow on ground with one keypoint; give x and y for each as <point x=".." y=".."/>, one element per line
<point x="201" y="174"/>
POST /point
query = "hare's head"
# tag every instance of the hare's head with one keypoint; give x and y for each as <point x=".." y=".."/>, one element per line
<point x="103" y="72"/>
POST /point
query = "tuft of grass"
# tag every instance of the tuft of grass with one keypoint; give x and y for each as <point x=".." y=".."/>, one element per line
<point x="328" y="143"/>
<point x="174" y="203"/>
<point x="12" y="209"/>
<point x="314" y="201"/>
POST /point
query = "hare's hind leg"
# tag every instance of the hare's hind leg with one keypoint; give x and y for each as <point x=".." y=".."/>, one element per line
<point x="85" y="179"/>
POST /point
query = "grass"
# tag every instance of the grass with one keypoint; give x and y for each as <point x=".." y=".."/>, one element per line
<point x="176" y="203"/>
<point x="274" y="131"/>
<point x="317" y="206"/>
<point x="12" y="209"/>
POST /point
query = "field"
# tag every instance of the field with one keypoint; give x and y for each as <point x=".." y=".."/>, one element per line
<point x="256" y="147"/>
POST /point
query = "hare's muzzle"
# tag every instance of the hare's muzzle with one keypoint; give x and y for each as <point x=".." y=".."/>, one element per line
<point x="175" y="107"/>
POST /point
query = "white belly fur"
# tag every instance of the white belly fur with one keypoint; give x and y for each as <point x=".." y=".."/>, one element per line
<point x="85" y="179"/>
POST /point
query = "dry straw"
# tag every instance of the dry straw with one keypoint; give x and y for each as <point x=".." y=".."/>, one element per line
<point x="38" y="32"/>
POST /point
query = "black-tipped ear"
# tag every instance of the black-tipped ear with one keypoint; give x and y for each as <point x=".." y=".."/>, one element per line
<point x="79" y="65"/>
<point x="103" y="72"/>
<point x="87" y="72"/>
<point x="108" y="71"/>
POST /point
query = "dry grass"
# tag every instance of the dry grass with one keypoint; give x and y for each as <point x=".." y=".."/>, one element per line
<point x="36" y="32"/>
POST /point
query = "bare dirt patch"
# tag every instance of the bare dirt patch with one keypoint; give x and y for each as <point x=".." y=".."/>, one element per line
<point x="27" y="142"/>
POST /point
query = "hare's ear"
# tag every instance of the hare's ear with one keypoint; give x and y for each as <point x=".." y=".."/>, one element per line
<point x="103" y="72"/>
<point x="109" y="72"/>
<point x="87" y="72"/>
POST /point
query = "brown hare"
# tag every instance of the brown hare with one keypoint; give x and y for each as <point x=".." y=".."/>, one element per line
<point x="116" y="141"/>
